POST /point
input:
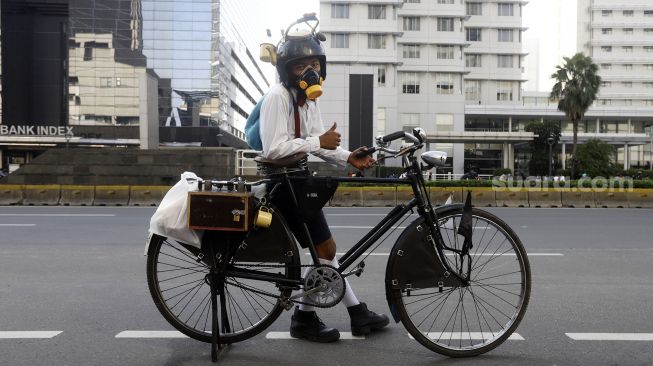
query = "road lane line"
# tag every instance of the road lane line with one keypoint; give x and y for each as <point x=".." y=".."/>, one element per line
<point x="59" y="215"/>
<point x="151" y="334"/>
<point x="482" y="255"/>
<point x="611" y="336"/>
<point x="21" y="334"/>
<point x="466" y="335"/>
<point x="286" y="335"/>
<point x="17" y="224"/>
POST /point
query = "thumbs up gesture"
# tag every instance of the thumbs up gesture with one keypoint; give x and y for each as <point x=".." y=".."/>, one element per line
<point x="330" y="140"/>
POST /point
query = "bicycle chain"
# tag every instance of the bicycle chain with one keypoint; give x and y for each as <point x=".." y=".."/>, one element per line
<point x="275" y="296"/>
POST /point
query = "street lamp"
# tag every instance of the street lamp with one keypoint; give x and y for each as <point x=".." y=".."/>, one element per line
<point x="549" y="141"/>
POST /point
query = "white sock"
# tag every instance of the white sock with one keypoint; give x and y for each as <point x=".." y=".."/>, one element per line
<point x="349" y="299"/>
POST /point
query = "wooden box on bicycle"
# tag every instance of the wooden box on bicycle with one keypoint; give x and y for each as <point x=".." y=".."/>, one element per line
<point x="223" y="211"/>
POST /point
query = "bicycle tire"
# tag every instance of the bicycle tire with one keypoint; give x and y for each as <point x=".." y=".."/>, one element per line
<point x="478" y="317"/>
<point x="177" y="284"/>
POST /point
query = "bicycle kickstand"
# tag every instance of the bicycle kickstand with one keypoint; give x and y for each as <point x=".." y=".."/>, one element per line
<point x="217" y="288"/>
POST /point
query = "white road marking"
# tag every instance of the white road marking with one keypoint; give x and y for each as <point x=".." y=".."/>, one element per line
<point x="151" y="334"/>
<point x="17" y="224"/>
<point x="466" y="335"/>
<point x="286" y="335"/>
<point x="21" y="334"/>
<point x="482" y="255"/>
<point x="610" y="336"/>
<point x="61" y="215"/>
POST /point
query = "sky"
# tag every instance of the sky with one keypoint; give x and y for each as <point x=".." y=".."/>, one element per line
<point x="551" y="28"/>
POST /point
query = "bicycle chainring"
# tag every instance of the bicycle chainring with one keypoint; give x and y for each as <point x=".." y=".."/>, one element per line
<point x="332" y="286"/>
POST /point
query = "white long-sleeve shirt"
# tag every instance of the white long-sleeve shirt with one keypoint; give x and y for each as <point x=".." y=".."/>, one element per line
<point x="277" y="128"/>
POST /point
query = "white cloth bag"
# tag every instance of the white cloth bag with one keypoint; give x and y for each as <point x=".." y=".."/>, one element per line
<point x="170" y="218"/>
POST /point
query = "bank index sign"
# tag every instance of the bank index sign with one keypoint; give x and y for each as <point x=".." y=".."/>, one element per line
<point x="19" y="130"/>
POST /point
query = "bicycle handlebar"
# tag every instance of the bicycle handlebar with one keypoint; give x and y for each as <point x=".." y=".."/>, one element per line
<point x="393" y="136"/>
<point x="365" y="153"/>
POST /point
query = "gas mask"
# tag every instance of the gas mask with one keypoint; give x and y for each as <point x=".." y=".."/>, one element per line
<point x="311" y="83"/>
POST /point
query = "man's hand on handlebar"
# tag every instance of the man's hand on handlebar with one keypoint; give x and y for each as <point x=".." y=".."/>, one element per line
<point x="360" y="160"/>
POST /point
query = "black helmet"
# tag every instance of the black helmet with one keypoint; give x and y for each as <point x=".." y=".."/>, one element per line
<point x="294" y="47"/>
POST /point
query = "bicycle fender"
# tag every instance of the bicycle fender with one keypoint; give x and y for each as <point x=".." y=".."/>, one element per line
<point x="414" y="262"/>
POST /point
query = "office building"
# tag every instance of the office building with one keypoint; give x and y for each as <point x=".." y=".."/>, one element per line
<point x="133" y="73"/>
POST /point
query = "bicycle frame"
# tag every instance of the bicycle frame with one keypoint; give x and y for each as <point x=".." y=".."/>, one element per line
<point x="420" y="201"/>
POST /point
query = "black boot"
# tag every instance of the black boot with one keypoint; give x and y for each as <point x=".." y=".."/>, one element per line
<point x="307" y="325"/>
<point x="364" y="321"/>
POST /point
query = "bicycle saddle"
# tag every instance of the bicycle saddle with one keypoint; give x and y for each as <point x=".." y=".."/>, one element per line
<point x="287" y="162"/>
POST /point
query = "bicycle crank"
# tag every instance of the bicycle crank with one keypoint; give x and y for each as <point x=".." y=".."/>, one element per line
<point x="324" y="286"/>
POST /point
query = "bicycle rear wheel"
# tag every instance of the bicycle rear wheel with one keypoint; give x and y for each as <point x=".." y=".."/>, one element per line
<point x="470" y="320"/>
<point x="179" y="285"/>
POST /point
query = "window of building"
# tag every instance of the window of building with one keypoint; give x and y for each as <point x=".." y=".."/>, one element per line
<point x="628" y="30"/>
<point x="472" y="60"/>
<point x="504" y="61"/>
<point x="648" y="67"/>
<point x="444" y="83"/>
<point x="606" y="48"/>
<point x="648" y="84"/>
<point x="648" y="48"/>
<point x="340" y="11"/>
<point x="504" y="90"/>
<point x="444" y="122"/>
<point x="648" y="102"/>
<point x="118" y="82"/>
<point x="445" y="52"/>
<point x="627" y="49"/>
<point x="505" y="35"/>
<point x="628" y="66"/>
<point x="606" y="66"/>
<point x="380" y="76"/>
<point x="88" y="53"/>
<point x="339" y="40"/>
<point x="473" y="34"/>
<point x="506" y="9"/>
<point x="606" y="13"/>
<point x="106" y="82"/>
<point x="606" y="30"/>
<point x="606" y="84"/>
<point x="474" y="8"/>
<point x="410" y="83"/>
<point x="380" y="121"/>
<point x="627" y="84"/>
<point x="409" y="121"/>
<point x="376" y="12"/>
<point x="605" y="101"/>
<point x="412" y="1"/>
<point x="445" y="24"/>
<point x="648" y="31"/>
<point x="411" y="51"/>
<point x="628" y="13"/>
<point x="411" y="23"/>
<point x="648" y="13"/>
<point x="446" y="1"/>
<point x="376" y="41"/>
<point x="472" y="89"/>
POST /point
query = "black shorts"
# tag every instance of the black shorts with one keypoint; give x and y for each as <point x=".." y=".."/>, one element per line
<point x="316" y="223"/>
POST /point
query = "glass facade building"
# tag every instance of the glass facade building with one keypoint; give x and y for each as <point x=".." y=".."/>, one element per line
<point x="106" y="68"/>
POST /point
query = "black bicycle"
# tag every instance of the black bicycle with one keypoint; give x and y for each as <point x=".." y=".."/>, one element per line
<point x="458" y="277"/>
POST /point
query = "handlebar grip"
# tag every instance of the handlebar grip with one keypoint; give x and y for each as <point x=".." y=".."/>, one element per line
<point x="365" y="153"/>
<point x="393" y="136"/>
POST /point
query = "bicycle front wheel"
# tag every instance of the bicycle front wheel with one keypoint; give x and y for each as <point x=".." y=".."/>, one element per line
<point x="470" y="320"/>
<point x="179" y="284"/>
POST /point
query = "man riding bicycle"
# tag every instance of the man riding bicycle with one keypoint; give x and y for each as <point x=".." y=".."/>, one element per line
<point x="301" y="65"/>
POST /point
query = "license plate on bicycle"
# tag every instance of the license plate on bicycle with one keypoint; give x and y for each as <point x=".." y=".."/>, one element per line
<point x="223" y="211"/>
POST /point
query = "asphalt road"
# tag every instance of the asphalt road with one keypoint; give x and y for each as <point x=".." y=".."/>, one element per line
<point x="75" y="277"/>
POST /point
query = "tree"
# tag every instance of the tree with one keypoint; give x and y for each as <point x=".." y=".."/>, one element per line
<point x="539" y="163"/>
<point x="576" y="87"/>
<point x="596" y="158"/>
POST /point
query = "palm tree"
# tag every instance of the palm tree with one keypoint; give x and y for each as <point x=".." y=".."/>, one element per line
<point x="576" y="87"/>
